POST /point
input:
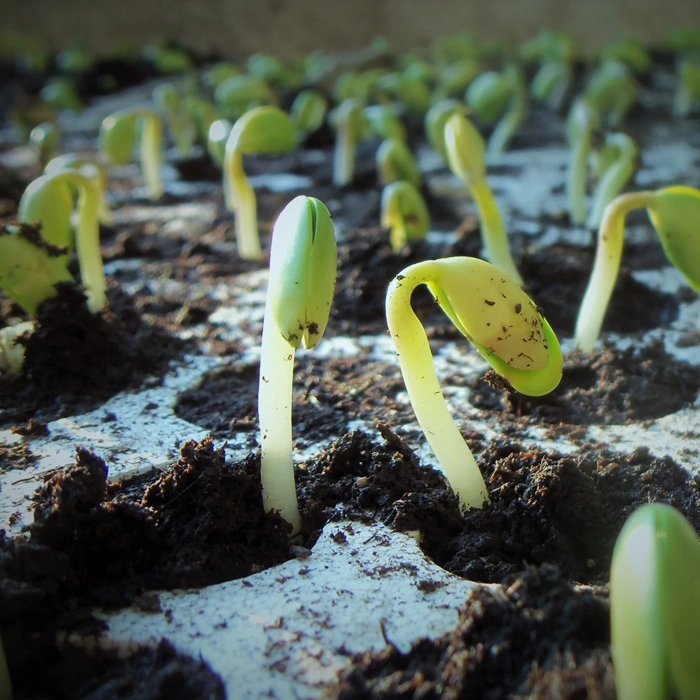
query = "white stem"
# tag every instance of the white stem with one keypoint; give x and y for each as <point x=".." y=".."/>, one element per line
<point x="151" y="157"/>
<point x="344" y="157"/>
<point x="606" y="266"/>
<point x="416" y="361"/>
<point x="246" y="218"/>
<point x="275" y="414"/>
<point x="576" y="178"/>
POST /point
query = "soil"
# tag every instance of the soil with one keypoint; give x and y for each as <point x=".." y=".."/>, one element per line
<point x="548" y="529"/>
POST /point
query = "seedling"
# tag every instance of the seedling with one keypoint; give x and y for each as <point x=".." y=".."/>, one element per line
<point x="499" y="96"/>
<point x="404" y="213"/>
<point x="502" y="323"/>
<point x="45" y="138"/>
<point x="49" y="199"/>
<point x="655" y="606"/>
<point x="629" y="51"/>
<point x="612" y="90"/>
<point x="167" y="100"/>
<point x="308" y="111"/>
<point x="218" y="73"/>
<point x="219" y="132"/>
<point x="237" y="95"/>
<point x="299" y="296"/>
<point x="436" y="118"/>
<point x="675" y="214"/>
<point x="384" y="122"/>
<point x="466" y="155"/>
<point x="409" y="89"/>
<point x="456" y="77"/>
<point x="349" y="122"/>
<point x="261" y="130"/>
<point x="396" y="162"/>
<point x="687" y="95"/>
<point x="168" y="60"/>
<point x="61" y="94"/>
<point x="117" y="139"/>
<point x="555" y="52"/>
<point x="616" y="163"/>
<point x="583" y="120"/>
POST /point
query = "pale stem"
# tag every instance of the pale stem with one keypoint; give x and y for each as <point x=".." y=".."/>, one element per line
<point x="344" y="157"/>
<point x="606" y="266"/>
<point x="275" y="415"/>
<point x="416" y="361"/>
<point x="246" y="218"/>
<point x="576" y="178"/>
<point x="150" y="147"/>
<point x="503" y="133"/>
<point x="493" y="230"/>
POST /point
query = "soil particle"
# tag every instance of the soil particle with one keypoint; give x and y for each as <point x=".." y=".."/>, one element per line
<point x="531" y="640"/>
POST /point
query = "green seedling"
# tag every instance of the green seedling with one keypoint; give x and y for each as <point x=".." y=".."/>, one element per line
<point x="412" y="91"/>
<point x="202" y="113"/>
<point x="612" y="90"/>
<point x="616" y="163"/>
<point x="675" y="214"/>
<point x="630" y="52"/>
<point x="60" y="93"/>
<point x="219" y="132"/>
<point x="384" y="122"/>
<point x="168" y="102"/>
<point x="499" y="97"/>
<point x="273" y="71"/>
<point x="549" y="45"/>
<point x="317" y="65"/>
<point x="551" y="83"/>
<point x="450" y="48"/>
<point x="416" y="68"/>
<point x="299" y="296"/>
<point x="219" y="73"/>
<point x="237" y="95"/>
<point x="436" y="118"/>
<point x="582" y="122"/>
<point x="45" y="137"/>
<point x="404" y="213"/>
<point x="91" y="168"/>
<point x="466" y="155"/>
<point x="502" y="323"/>
<point x="75" y="59"/>
<point x="396" y="162"/>
<point x="30" y="269"/>
<point x="456" y="77"/>
<point x="28" y="52"/>
<point x="687" y="95"/>
<point x="49" y="200"/>
<point x="308" y="111"/>
<point x="350" y="125"/>
<point x="118" y="134"/>
<point x="655" y="606"/>
<point x="261" y="130"/>
<point x="168" y="60"/>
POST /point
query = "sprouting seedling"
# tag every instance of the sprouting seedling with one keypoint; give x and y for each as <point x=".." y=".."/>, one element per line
<point x="436" y="118"/>
<point x="583" y="120"/>
<point x="90" y="167"/>
<point x="240" y="93"/>
<point x="456" y="77"/>
<point x="466" y="155"/>
<point x="202" y="113"/>
<point x="384" y="122"/>
<point x="617" y="163"/>
<point x="219" y="132"/>
<point x="404" y="213"/>
<point x="612" y="90"/>
<point x="308" y="111"/>
<point x="261" y="130"/>
<point x="502" y="323"/>
<point x="168" y="102"/>
<point x="302" y="280"/>
<point x="396" y="162"/>
<point x="675" y="214"/>
<point x="349" y="122"/>
<point x="49" y="199"/>
<point x="218" y="73"/>
<point x="499" y="96"/>
<point x="629" y="51"/>
<point x="167" y="59"/>
<point x="117" y="139"/>
<point x="61" y="93"/>
<point x="45" y="138"/>
<point x="687" y="93"/>
<point x="655" y="606"/>
<point x="410" y="89"/>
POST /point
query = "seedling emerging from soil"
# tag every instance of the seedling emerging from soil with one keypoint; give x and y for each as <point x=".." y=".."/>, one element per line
<point x="396" y="162"/>
<point x="45" y="138"/>
<point x="555" y="53"/>
<point x="308" y="111"/>
<point x="655" y="606"/>
<point x="219" y="131"/>
<point x="436" y="118"/>
<point x="167" y="100"/>
<point x="675" y="214"/>
<point x="616" y="163"/>
<point x="612" y="90"/>
<point x="49" y="200"/>
<point x="502" y="323"/>
<point x="302" y="280"/>
<point x="630" y="52"/>
<point x="118" y="134"/>
<point x="384" y="122"/>
<point x="237" y="95"/>
<point x="60" y="93"/>
<point x="466" y="155"/>
<point x="687" y="93"/>
<point x="404" y="213"/>
<point x="409" y="89"/>
<point x="261" y="130"/>
<point x="349" y="122"/>
<point x="456" y="77"/>
<point x="583" y="120"/>
<point x="499" y="96"/>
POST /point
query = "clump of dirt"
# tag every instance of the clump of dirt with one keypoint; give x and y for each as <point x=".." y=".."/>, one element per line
<point x="530" y="640"/>
<point x="608" y="386"/>
<point x="75" y="360"/>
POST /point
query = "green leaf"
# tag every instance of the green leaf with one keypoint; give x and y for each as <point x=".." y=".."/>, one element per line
<point x="118" y="136"/>
<point x="263" y="130"/>
<point x="675" y="213"/>
<point x="49" y="200"/>
<point x="488" y="96"/>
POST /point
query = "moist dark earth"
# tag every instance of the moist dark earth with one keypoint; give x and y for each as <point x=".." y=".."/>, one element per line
<point x="547" y="533"/>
